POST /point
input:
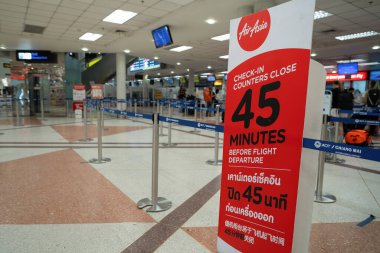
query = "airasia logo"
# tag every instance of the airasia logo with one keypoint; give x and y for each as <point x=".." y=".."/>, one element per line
<point x="253" y="30"/>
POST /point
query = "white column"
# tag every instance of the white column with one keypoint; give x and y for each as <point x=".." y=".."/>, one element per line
<point x="191" y="88"/>
<point x="120" y="79"/>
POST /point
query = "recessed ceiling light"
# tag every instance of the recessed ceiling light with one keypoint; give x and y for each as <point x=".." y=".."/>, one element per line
<point x="119" y="16"/>
<point x="178" y="63"/>
<point x="313" y="54"/>
<point x="368" y="63"/>
<point x="376" y="47"/>
<point x="334" y="71"/>
<point x="321" y="14"/>
<point x="224" y="72"/>
<point x="181" y="48"/>
<point x="329" y="67"/>
<point x="222" y="37"/>
<point x="210" y="21"/>
<point x="172" y="72"/>
<point x="84" y="49"/>
<point x="158" y="74"/>
<point x="357" y="35"/>
<point x="352" y="60"/>
<point x="127" y="51"/>
<point x="209" y="67"/>
<point x="156" y="58"/>
<point x="3" y="47"/>
<point x="224" y="56"/>
<point x="90" y="36"/>
<point x="187" y="70"/>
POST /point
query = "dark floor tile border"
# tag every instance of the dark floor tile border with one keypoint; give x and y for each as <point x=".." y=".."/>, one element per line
<point x="159" y="233"/>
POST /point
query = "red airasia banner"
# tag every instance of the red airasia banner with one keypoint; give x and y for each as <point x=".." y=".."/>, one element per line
<point x="77" y="105"/>
<point x="360" y="76"/>
<point x="263" y="132"/>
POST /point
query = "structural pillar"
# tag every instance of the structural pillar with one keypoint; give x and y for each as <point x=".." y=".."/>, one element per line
<point x="191" y="88"/>
<point x="120" y="80"/>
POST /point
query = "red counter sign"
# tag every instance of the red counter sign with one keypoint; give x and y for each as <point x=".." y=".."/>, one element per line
<point x="97" y="91"/>
<point x="360" y="76"/>
<point x="265" y="111"/>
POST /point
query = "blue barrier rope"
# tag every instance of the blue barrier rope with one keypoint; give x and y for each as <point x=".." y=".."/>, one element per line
<point x="342" y="149"/>
<point x="367" y="113"/>
<point x="355" y="121"/>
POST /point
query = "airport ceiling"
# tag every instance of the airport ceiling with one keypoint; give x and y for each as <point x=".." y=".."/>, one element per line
<point x="64" y="21"/>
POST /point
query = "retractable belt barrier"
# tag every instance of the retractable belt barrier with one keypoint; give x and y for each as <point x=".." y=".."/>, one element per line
<point x="355" y="121"/>
<point x="364" y="113"/>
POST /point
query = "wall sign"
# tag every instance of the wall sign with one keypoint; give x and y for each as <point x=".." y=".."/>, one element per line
<point x="265" y="112"/>
<point x="79" y="92"/>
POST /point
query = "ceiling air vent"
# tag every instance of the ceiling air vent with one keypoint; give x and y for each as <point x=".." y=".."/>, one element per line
<point x="34" y="29"/>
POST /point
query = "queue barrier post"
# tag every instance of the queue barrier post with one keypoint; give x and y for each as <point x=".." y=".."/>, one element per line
<point x="100" y="158"/>
<point x="335" y="159"/>
<point x="162" y="123"/>
<point x="42" y="104"/>
<point x="319" y="196"/>
<point x="195" y="119"/>
<point x="156" y="204"/>
<point x="85" y="138"/>
<point x="169" y="144"/>
<point x="135" y="105"/>
<point x="216" y="160"/>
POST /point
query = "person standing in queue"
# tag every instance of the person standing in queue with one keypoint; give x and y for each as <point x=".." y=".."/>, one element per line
<point x="335" y="98"/>
<point x="346" y="102"/>
<point x="372" y="99"/>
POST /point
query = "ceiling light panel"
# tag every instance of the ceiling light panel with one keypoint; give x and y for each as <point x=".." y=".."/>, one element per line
<point x="119" y="16"/>
<point x="221" y="37"/>
<point x="181" y="48"/>
<point x="224" y="57"/>
<point x="321" y="14"/>
<point x="210" y="21"/>
<point x="357" y="35"/>
<point x="352" y="60"/>
<point x="90" y="36"/>
<point x="368" y="63"/>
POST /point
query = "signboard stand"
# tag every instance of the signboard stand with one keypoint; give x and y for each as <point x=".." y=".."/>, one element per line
<point x="274" y="100"/>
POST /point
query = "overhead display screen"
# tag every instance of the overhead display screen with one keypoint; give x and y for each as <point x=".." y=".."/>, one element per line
<point x="143" y="64"/>
<point x="36" y="56"/>
<point x="348" y="68"/>
<point x="162" y="36"/>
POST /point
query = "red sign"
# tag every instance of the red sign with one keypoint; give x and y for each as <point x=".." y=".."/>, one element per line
<point x="97" y="91"/>
<point x="360" y="76"/>
<point x="79" y="92"/>
<point x="263" y="130"/>
<point x="77" y="105"/>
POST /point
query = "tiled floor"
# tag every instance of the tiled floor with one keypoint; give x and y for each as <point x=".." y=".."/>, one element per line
<point x="53" y="200"/>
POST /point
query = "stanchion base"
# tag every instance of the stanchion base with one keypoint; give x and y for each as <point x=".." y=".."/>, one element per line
<point x="326" y="198"/>
<point x="162" y="204"/>
<point x="194" y="131"/>
<point x="169" y="145"/>
<point x="212" y="162"/>
<point x="88" y="139"/>
<point x="97" y="161"/>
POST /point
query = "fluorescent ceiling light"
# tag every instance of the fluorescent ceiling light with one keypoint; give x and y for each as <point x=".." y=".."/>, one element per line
<point x="3" y="47"/>
<point x="84" y="49"/>
<point x="158" y="74"/>
<point x="357" y="35"/>
<point x="187" y="70"/>
<point x="224" y="72"/>
<point x="353" y="60"/>
<point x="90" y="36"/>
<point x="209" y="67"/>
<point x="178" y="63"/>
<point x="181" y="48"/>
<point x="210" y="21"/>
<point x="329" y="67"/>
<point x="156" y="58"/>
<point x="313" y="54"/>
<point x="224" y="57"/>
<point x="172" y="72"/>
<point x="119" y="16"/>
<point x="321" y="14"/>
<point x="368" y="63"/>
<point x="127" y="51"/>
<point x="222" y="37"/>
<point x="334" y="72"/>
<point x="376" y="47"/>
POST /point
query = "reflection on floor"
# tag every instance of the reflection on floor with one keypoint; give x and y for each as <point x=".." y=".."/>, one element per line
<point x="53" y="200"/>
